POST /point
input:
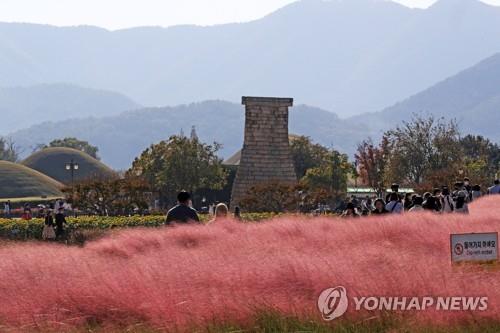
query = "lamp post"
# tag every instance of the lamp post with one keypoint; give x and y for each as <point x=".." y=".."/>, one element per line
<point x="356" y="174"/>
<point x="72" y="167"/>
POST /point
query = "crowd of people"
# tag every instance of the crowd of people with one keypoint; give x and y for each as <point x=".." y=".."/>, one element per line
<point x="53" y="215"/>
<point x="54" y="220"/>
<point x="440" y="200"/>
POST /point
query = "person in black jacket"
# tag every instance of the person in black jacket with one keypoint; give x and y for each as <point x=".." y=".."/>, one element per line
<point x="182" y="213"/>
<point x="60" y="220"/>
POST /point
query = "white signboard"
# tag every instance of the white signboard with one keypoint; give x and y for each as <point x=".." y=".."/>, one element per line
<point x="474" y="247"/>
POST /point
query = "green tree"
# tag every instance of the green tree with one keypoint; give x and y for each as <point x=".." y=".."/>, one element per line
<point x="8" y="150"/>
<point x="481" y="158"/>
<point x="75" y="144"/>
<point x="421" y="150"/>
<point x="331" y="175"/>
<point x="181" y="163"/>
<point x="307" y="155"/>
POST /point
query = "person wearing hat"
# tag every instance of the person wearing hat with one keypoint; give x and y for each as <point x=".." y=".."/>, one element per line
<point x="182" y="213"/>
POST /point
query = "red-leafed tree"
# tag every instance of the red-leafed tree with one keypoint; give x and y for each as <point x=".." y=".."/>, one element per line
<point x="371" y="161"/>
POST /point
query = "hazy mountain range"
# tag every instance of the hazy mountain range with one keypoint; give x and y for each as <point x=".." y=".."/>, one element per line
<point x="343" y="56"/>
<point x="21" y="107"/>
<point x="121" y="138"/>
<point x="472" y="97"/>
<point x="349" y="56"/>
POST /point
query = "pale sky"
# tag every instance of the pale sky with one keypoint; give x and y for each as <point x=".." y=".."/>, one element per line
<point x="117" y="14"/>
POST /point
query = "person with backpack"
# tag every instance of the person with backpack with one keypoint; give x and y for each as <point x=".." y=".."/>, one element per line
<point x="458" y="186"/>
<point x="468" y="189"/>
<point x="394" y="206"/>
<point x="447" y="202"/>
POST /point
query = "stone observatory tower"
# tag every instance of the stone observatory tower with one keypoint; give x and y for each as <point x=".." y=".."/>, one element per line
<point x="266" y="155"/>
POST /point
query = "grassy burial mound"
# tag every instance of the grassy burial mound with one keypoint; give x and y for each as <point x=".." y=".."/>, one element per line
<point x="52" y="162"/>
<point x="19" y="181"/>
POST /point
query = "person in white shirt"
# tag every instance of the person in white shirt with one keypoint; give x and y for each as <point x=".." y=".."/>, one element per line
<point x="417" y="204"/>
<point x="394" y="206"/>
<point x="6" y="209"/>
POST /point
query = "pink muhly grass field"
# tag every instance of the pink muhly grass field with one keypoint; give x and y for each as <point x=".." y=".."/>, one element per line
<point x="173" y="278"/>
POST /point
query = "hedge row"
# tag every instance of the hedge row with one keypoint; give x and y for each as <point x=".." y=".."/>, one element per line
<point x="20" y="229"/>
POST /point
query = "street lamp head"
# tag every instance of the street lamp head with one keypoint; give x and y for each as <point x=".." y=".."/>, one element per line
<point x="72" y="166"/>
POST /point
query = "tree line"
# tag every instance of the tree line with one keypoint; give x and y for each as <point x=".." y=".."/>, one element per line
<point x="423" y="153"/>
<point x="9" y="151"/>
